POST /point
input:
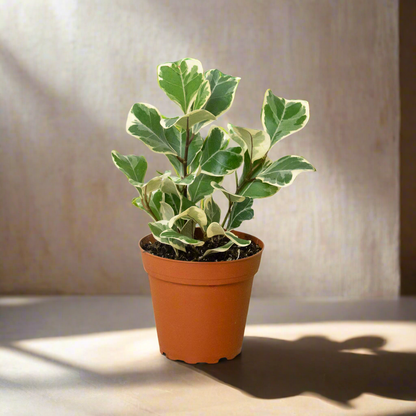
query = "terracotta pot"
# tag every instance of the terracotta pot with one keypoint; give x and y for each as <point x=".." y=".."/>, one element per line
<point x="200" y="308"/>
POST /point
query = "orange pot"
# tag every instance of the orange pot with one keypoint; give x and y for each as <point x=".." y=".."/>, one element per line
<point x="200" y="308"/>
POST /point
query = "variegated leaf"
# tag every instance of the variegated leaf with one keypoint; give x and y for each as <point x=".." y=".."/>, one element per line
<point x="215" y="229"/>
<point x="194" y="117"/>
<point x="202" y="95"/>
<point x="285" y="170"/>
<point x="143" y="122"/>
<point x="157" y="228"/>
<point x="181" y="80"/>
<point x="258" y="189"/>
<point x="237" y="240"/>
<point x="232" y="197"/>
<point x="194" y="213"/>
<point x="221" y="249"/>
<point x="154" y="204"/>
<point x="187" y="180"/>
<point x="134" y="167"/>
<point x="223" y="88"/>
<point x="201" y="186"/>
<point x="168" y="122"/>
<point x="174" y="235"/>
<point x="166" y="211"/>
<point x="216" y="159"/>
<point x="256" y="142"/>
<point x="212" y="210"/>
<point x="240" y="211"/>
<point x="281" y="117"/>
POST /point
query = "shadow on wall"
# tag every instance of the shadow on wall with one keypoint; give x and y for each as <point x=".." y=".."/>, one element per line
<point x="273" y="368"/>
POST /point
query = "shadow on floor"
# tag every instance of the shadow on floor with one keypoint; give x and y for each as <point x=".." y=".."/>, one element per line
<point x="273" y="368"/>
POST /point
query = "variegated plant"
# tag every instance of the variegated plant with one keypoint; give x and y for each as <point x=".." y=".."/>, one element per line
<point x="181" y="202"/>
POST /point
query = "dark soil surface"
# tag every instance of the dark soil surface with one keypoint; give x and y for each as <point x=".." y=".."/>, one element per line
<point x="194" y="253"/>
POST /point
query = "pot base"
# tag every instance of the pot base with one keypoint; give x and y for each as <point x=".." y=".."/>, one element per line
<point x="208" y="361"/>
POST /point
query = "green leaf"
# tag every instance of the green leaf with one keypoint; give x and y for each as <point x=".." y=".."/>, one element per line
<point x="202" y="95"/>
<point x="223" y="88"/>
<point x="241" y="211"/>
<point x="181" y="80"/>
<point x="232" y="197"/>
<point x="143" y="122"/>
<point x="216" y="159"/>
<point x="221" y="249"/>
<point x="188" y="229"/>
<point x="212" y="210"/>
<point x="174" y="235"/>
<point x="195" y="117"/>
<point x="194" y="213"/>
<point x="202" y="187"/>
<point x="134" y="167"/>
<point x="256" y="142"/>
<point x="281" y="117"/>
<point x="174" y="201"/>
<point x="285" y="170"/>
<point x="258" y="189"/>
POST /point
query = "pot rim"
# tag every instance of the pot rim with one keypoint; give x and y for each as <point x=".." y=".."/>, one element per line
<point x="259" y="253"/>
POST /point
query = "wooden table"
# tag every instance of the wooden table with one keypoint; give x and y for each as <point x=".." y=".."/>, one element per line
<point x="77" y="356"/>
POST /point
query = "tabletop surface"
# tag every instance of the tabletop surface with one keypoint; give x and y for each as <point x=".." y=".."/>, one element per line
<point x="79" y="356"/>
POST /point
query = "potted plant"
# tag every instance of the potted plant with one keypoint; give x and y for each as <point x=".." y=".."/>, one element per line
<point x="200" y="269"/>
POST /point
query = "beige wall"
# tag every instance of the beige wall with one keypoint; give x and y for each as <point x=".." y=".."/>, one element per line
<point x="70" y="72"/>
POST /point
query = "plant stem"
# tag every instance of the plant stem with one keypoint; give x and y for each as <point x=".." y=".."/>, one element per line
<point x="230" y="204"/>
<point x="147" y="206"/>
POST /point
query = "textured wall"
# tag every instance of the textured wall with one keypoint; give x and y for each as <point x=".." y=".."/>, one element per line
<point x="70" y="72"/>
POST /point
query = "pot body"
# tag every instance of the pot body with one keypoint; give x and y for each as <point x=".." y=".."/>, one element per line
<point x="200" y="307"/>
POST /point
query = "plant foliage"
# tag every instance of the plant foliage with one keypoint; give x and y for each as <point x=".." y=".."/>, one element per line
<point x="179" y="202"/>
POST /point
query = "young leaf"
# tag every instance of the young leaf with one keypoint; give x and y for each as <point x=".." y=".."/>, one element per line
<point x="174" y="235"/>
<point x="256" y="142"/>
<point x="166" y="211"/>
<point x="212" y="210"/>
<point x="184" y="181"/>
<point x="258" y="189"/>
<point x="223" y="89"/>
<point x="216" y="159"/>
<point x="285" y="170"/>
<point x="232" y="197"/>
<point x="194" y="213"/>
<point x="202" y="95"/>
<point x="215" y="229"/>
<point x="281" y="117"/>
<point x="167" y="122"/>
<point x="181" y="80"/>
<point x="236" y="240"/>
<point x="150" y="186"/>
<point x="221" y="249"/>
<point x="143" y="122"/>
<point x="201" y="186"/>
<point x="134" y="167"/>
<point x="195" y="117"/>
<point x="241" y="211"/>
